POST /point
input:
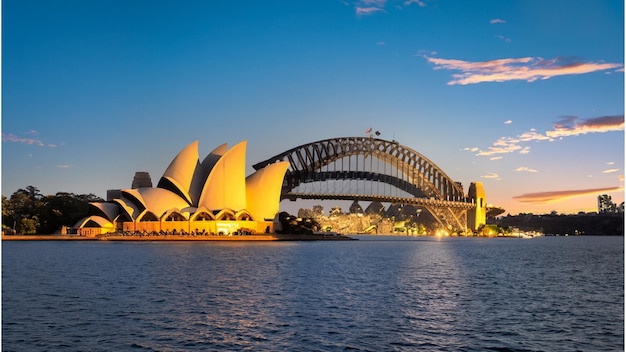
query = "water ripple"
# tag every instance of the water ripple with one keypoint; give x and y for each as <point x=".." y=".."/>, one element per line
<point x="548" y="294"/>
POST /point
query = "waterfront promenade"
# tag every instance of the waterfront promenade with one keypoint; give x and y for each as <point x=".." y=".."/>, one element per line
<point x="118" y="237"/>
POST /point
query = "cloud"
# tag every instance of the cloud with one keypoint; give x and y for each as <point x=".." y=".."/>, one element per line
<point x="10" y="137"/>
<point x="566" y="127"/>
<point x="490" y="175"/>
<point x="527" y="69"/>
<point x="368" y="10"/>
<point x="497" y="20"/>
<point x="64" y="166"/>
<point x="418" y="2"/>
<point x="610" y="171"/>
<point x="525" y="169"/>
<point x="557" y="196"/>
<point x="508" y="122"/>
<point x="495" y="158"/>
<point x="573" y="126"/>
<point x="15" y="139"/>
<point x="501" y="37"/>
<point x="370" y="7"/>
<point x="503" y="145"/>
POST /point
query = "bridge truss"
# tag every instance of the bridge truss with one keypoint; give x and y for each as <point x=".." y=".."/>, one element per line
<point x="420" y="181"/>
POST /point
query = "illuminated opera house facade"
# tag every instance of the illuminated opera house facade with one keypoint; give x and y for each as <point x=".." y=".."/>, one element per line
<point x="211" y="197"/>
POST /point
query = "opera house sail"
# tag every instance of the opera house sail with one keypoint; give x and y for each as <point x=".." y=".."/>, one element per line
<point x="209" y="197"/>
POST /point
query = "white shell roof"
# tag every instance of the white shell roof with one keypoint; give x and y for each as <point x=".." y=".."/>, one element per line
<point x="217" y="184"/>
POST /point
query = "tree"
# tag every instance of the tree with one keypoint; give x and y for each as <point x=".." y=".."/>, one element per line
<point x="27" y="211"/>
<point x="63" y="209"/>
<point x="28" y="226"/>
<point x="21" y="211"/>
<point x="32" y="192"/>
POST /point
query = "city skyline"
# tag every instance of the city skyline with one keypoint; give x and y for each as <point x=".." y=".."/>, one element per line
<point x="524" y="96"/>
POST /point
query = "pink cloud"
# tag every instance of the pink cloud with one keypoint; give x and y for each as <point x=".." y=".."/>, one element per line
<point x="30" y="141"/>
<point x="557" y="196"/>
<point x="526" y="69"/>
<point x="491" y="175"/>
<point x="573" y="126"/>
<point x="525" y="169"/>
<point x="15" y="139"/>
<point x="568" y="126"/>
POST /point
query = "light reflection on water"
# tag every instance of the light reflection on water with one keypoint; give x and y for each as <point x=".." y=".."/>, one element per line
<point x="380" y="293"/>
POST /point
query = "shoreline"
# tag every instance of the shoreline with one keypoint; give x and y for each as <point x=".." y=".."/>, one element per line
<point x="265" y="237"/>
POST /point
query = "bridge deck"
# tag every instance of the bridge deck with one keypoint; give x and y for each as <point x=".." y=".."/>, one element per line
<point x="379" y="198"/>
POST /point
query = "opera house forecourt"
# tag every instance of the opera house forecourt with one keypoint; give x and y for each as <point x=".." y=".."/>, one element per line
<point x="212" y="197"/>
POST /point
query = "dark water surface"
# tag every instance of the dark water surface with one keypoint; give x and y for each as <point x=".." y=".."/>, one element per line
<point x="376" y="294"/>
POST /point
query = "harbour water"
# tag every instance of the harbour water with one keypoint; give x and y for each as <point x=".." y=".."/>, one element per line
<point x="376" y="294"/>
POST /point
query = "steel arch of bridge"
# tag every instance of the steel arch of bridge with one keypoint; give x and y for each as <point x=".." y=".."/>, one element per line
<point x="415" y="174"/>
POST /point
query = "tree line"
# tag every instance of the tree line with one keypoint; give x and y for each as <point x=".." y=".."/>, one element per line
<point x="27" y="211"/>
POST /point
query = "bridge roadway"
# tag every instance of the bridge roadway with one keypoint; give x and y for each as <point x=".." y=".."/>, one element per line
<point x="383" y="199"/>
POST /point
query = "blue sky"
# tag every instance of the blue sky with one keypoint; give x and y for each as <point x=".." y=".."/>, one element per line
<point x="524" y="96"/>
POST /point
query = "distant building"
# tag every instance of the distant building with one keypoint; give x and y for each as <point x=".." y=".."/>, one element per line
<point x="141" y="180"/>
<point x="606" y="205"/>
<point x="113" y="194"/>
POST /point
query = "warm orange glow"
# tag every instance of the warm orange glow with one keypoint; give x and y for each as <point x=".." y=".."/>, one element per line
<point x="558" y="196"/>
<point x="193" y="198"/>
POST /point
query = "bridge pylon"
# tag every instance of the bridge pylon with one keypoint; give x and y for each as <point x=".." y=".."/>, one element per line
<point x="478" y="215"/>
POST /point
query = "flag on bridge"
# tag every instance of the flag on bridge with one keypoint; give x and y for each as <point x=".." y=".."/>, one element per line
<point x="368" y="131"/>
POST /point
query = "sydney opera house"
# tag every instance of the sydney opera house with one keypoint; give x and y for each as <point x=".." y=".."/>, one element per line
<point x="212" y="196"/>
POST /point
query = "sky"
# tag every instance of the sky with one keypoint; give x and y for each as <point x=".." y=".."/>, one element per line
<point x="526" y="97"/>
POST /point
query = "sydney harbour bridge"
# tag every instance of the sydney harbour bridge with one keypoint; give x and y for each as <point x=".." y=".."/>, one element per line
<point x="372" y="169"/>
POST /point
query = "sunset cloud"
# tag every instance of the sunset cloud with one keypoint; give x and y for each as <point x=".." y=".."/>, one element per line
<point x="15" y="139"/>
<point x="573" y="126"/>
<point x="527" y="69"/>
<point x="503" y="145"/>
<point x="525" y="169"/>
<point x="10" y="137"/>
<point x="557" y="196"/>
<point x="490" y="175"/>
<point x="610" y="171"/>
<point x="566" y="127"/>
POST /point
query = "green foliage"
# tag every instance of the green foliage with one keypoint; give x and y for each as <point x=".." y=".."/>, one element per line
<point x="29" y="212"/>
<point x="293" y="225"/>
<point x="28" y="226"/>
